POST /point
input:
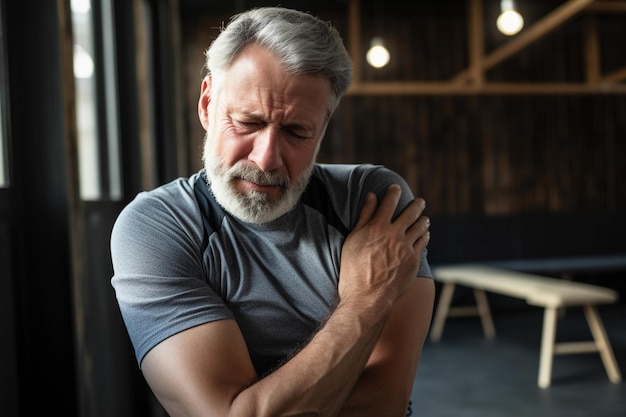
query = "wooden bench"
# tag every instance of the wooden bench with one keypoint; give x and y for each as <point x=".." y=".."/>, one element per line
<point x="550" y="293"/>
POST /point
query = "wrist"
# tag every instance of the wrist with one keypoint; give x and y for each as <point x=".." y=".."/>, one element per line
<point x="370" y="310"/>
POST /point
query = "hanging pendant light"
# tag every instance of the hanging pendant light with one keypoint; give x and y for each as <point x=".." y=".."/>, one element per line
<point x="509" y="21"/>
<point x="377" y="56"/>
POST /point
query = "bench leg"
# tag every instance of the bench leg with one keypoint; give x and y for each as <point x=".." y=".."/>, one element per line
<point x="442" y="311"/>
<point x="485" y="313"/>
<point x="602" y="342"/>
<point x="547" y="347"/>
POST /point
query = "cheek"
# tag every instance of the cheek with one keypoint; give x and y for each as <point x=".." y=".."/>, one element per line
<point x="299" y="160"/>
<point x="229" y="147"/>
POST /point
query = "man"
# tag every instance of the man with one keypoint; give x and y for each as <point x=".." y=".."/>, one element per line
<point x="268" y="284"/>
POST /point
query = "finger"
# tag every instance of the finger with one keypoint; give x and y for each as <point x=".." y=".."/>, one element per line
<point x="411" y="213"/>
<point x="389" y="203"/>
<point x="367" y="211"/>
<point x="422" y="242"/>
<point x="418" y="229"/>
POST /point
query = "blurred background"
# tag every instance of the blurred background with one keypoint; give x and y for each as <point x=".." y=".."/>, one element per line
<point x="515" y="136"/>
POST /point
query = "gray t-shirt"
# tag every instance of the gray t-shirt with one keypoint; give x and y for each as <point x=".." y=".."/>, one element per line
<point x="180" y="260"/>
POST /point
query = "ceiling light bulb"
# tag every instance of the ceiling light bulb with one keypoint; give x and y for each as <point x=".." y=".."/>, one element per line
<point x="377" y="56"/>
<point x="510" y="21"/>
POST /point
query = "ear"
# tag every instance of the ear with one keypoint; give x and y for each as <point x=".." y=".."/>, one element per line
<point x="203" y="102"/>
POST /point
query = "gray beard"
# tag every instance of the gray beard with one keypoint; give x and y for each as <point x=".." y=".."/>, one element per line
<point x="252" y="206"/>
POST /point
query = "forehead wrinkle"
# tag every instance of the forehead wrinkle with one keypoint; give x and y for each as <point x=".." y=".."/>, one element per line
<point x="273" y="109"/>
<point x="266" y="91"/>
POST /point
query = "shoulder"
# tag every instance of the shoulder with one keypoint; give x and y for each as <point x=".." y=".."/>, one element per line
<point x="172" y="199"/>
<point x="177" y="195"/>
<point x="344" y="187"/>
<point x="168" y="213"/>
<point x="361" y="177"/>
<point x="350" y="172"/>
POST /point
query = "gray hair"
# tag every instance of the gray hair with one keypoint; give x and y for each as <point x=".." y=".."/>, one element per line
<point x="303" y="43"/>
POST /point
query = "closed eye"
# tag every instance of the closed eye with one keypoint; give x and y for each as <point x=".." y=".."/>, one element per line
<point x="248" y="122"/>
<point x="296" y="135"/>
<point x="248" y="125"/>
<point x="297" y="131"/>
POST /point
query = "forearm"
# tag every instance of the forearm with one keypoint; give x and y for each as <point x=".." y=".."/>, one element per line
<point x="317" y="380"/>
<point x="385" y="386"/>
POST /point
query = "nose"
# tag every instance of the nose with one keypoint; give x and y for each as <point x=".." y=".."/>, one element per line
<point x="265" y="151"/>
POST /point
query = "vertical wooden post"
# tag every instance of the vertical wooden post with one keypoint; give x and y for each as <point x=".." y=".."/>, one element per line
<point x="354" y="39"/>
<point x="476" y="39"/>
<point x="592" y="50"/>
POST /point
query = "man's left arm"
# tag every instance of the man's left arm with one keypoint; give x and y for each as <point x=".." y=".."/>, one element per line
<point x="385" y="386"/>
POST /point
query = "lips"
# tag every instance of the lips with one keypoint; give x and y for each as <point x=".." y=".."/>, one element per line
<point x="260" y="178"/>
<point x="259" y="187"/>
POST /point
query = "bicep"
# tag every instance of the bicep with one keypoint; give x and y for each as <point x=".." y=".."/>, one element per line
<point x="200" y="371"/>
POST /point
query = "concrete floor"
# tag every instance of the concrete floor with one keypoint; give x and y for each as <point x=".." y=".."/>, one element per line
<point x="465" y="375"/>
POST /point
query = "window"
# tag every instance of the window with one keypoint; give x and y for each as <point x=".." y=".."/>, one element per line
<point x="96" y="101"/>
<point x="86" y="105"/>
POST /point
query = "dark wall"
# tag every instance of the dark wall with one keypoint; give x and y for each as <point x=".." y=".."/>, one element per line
<point x="111" y="383"/>
<point x="526" y="236"/>
<point x="492" y="155"/>
<point x="9" y="390"/>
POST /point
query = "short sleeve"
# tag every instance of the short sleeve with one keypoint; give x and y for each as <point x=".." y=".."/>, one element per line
<point x="159" y="280"/>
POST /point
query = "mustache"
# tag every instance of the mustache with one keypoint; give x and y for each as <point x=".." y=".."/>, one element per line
<point x="256" y="175"/>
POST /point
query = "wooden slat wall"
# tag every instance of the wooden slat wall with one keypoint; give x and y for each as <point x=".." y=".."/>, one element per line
<point x="490" y="154"/>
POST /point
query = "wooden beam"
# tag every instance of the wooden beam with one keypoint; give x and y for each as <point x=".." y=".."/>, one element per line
<point x="616" y="76"/>
<point x="476" y="40"/>
<point x="607" y="7"/>
<point x="147" y="147"/>
<point x="547" y="24"/>
<point x="592" y="50"/>
<point x="595" y="84"/>
<point x="354" y="39"/>
<point x="550" y="22"/>
<point x="417" y="88"/>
